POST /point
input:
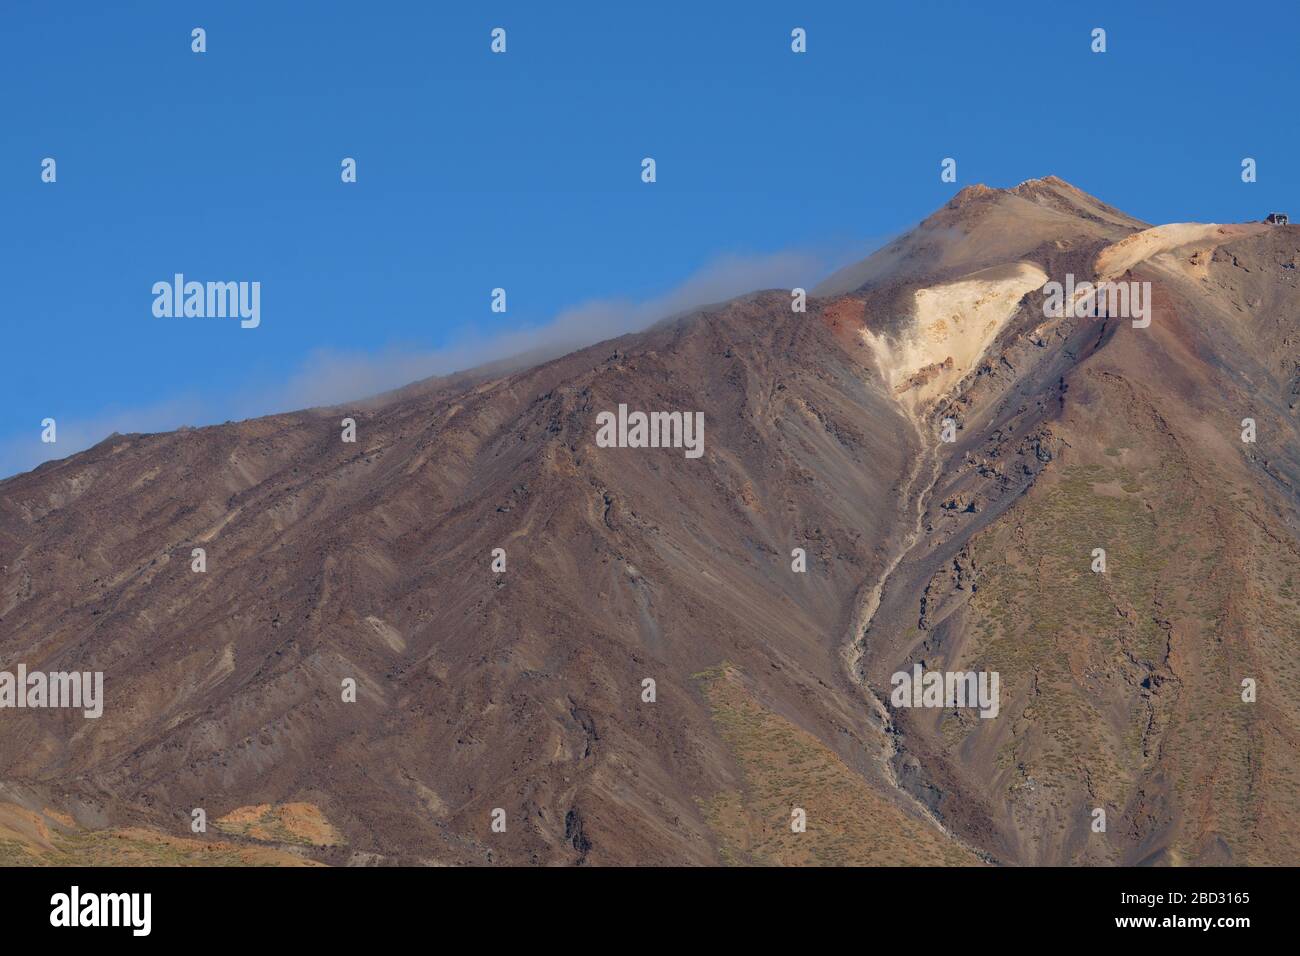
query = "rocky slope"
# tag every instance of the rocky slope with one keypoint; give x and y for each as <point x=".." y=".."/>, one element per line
<point x="524" y="691"/>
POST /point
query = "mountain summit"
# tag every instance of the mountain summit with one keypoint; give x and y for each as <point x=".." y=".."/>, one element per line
<point x="475" y="634"/>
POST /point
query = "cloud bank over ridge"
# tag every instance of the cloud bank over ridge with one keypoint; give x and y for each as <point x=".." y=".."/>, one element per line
<point x="331" y="377"/>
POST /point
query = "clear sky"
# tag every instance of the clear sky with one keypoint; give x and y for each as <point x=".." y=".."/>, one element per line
<point x="523" y="170"/>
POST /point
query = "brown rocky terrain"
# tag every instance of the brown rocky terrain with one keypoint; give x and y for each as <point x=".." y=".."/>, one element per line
<point x="524" y="691"/>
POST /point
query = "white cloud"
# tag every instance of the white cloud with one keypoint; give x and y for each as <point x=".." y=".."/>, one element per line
<point x="25" y="451"/>
<point x="328" y="378"/>
<point x="331" y="377"/>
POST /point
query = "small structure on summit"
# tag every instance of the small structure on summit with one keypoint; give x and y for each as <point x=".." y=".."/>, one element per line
<point x="1277" y="218"/>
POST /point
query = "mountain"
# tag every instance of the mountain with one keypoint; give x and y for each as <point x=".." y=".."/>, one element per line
<point x="521" y="696"/>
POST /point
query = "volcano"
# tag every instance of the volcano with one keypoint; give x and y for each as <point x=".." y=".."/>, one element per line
<point x="475" y="635"/>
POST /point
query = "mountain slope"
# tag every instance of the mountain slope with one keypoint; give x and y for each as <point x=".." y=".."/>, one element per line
<point x="524" y="691"/>
<point x="1121" y="690"/>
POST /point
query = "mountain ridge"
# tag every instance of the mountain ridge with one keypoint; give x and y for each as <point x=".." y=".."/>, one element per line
<point x="522" y="690"/>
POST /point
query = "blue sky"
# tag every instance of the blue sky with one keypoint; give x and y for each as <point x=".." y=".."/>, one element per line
<point x="522" y="170"/>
